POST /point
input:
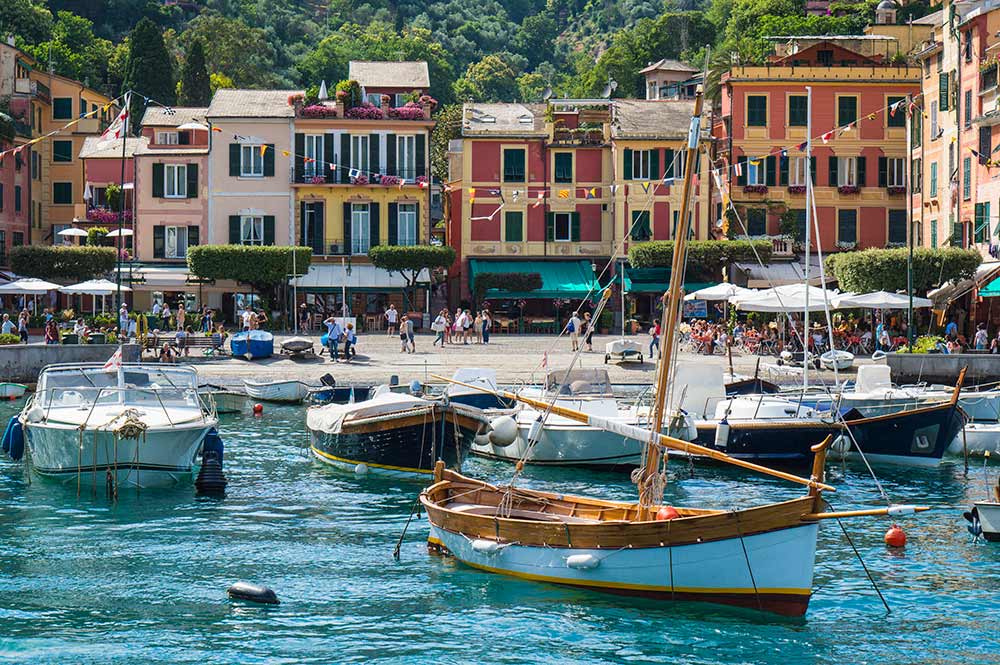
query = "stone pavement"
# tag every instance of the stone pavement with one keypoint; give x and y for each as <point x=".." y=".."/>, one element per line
<point x="515" y="358"/>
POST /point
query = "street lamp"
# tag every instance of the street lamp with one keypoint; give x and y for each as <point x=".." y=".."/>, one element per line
<point x="345" y="264"/>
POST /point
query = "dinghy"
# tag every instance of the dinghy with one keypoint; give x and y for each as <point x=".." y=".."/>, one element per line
<point x="252" y="344"/>
<point x="289" y="391"/>
<point x="12" y="390"/>
<point x="976" y="439"/>
<point x="837" y="359"/>
<point x="297" y="347"/>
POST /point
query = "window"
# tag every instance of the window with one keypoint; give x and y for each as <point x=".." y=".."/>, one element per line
<point x="401" y="98"/>
<point x="313" y="166"/>
<point x="62" y="193"/>
<point x="957" y="238"/>
<point x="252" y="162"/>
<point x="895" y="172"/>
<point x="967" y="111"/>
<point x="951" y="160"/>
<point x="18" y="238"/>
<point x="757" y="110"/>
<point x="62" y="151"/>
<point x="640" y="226"/>
<point x="967" y="47"/>
<point x="167" y="138"/>
<point x="798" y="173"/>
<point x="175" y="242"/>
<point x="1" y="197"/>
<point x="251" y="230"/>
<point x="847" y="171"/>
<point x="897" y="119"/>
<point x="981" y="230"/>
<point x="967" y="178"/>
<point x="564" y="167"/>
<point x="513" y="165"/>
<point x="641" y="164"/>
<point x="897" y="227"/>
<point x="3" y="246"/>
<point x="934" y="120"/>
<point x="927" y="67"/>
<point x="797" y="111"/>
<point x="934" y="179"/>
<point x="100" y="197"/>
<point x="406" y="157"/>
<point x="756" y="222"/>
<point x="563" y="226"/>
<point x="36" y="166"/>
<point x="17" y="198"/>
<point x="374" y="98"/>
<point x="943" y="91"/>
<point x="175" y="181"/>
<point x="406" y="224"/>
<point x="985" y="144"/>
<point x="824" y="57"/>
<point x="359" y="153"/>
<point x="62" y="108"/>
<point x="757" y="171"/>
<point x="847" y="226"/>
<point x="934" y="236"/>
<point x="847" y="109"/>
<point x="513" y="226"/>
<point x="58" y="239"/>
<point x="800" y="225"/>
<point x="916" y="129"/>
<point x="360" y="228"/>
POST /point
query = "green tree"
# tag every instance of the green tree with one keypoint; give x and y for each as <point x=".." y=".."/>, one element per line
<point x="449" y="126"/>
<point x="491" y="79"/>
<point x="149" y="70"/>
<point x="885" y="269"/>
<point x="73" y="49"/>
<point x="195" y="84"/>
<point x="218" y="81"/>
<point x="410" y="261"/>
<point x="27" y="19"/>
<point x="535" y="31"/>
<point x="71" y="263"/>
<point x="233" y="48"/>
<point x="265" y="269"/>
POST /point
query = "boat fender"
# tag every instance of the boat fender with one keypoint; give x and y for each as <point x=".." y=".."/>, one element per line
<point x="5" y="441"/>
<point x="582" y="561"/>
<point x="666" y="513"/>
<point x="503" y="431"/>
<point x="487" y="547"/>
<point x="901" y="510"/>
<point x="841" y="444"/>
<point x="722" y="434"/>
<point x="975" y="527"/>
<point x="895" y="536"/>
<point x="253" y="593"/>
<point x="36" y="414"/>
<point x="258" y="409"/>
<point x="15" y="445"/>
<point x="213" y="443"/>
<point x="361" y="470"/>
<point x="415" y="387"/>
<point x="535" y="431"/>
<point x="211" y="481"/>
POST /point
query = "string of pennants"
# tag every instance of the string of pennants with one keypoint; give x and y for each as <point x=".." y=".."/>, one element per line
<point x="540" y="194"/>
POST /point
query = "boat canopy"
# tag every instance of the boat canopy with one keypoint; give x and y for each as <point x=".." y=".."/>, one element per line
<point x="82" y="385"/>
<point x="579" y="382"/>
<point x="330" y="417"/>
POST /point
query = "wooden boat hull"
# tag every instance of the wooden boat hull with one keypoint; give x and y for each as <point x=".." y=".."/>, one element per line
<point x="407" y="444"/>
<point x="760" y="558"/>
<point x="767" y="439"/>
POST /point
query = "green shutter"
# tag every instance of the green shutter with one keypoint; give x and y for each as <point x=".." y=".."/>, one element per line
<point x="550" y="226"/>
<point x="374" y="222"/>
<point x="741" y="176"/>
<point x="574" y="229"/>
<point x="421" y="155"/>
<point x="772" y="167"/>
<point x="268" y="229"/>
<point x="393" y="223"/>
<point x="234" y="229"/>
<point x="374" y="163"/>
<point x="883" y="171"/>
<point x="158" y="181"/>
<point x="862" y="171"/>
<point x="159" y="242"/>
<point x="513" y="227"/>
<point x="943" y="91"/>
<point x="346" y="249"/>
<point x="390" y="156"/>
<point x="668" y="163"/>
<point x="300" y="155"/>
<point x="627" y="164"/>
<point x="654" y="164"/>
<point x="269" y="161"/>
<point x="345" y="159"/>
<point x="783" y="170"/>
<point x="832" y="164"/>
<point x="192" y="181"/>
<point x="194" y="235"/>
<point x="234" y="160"/>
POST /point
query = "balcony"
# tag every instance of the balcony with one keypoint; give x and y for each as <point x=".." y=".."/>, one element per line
<point x="323" y="175"/>
<point x="419" y="111"/>
<point x="582" y="136"/>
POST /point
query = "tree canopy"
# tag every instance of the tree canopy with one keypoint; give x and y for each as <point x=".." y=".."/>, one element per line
<point x="195" y="87"/>
<point x="149" y="69"/>
<point x="261" y="267"/>
<point x="885" y="269"/>
<point x="70" y="263"/>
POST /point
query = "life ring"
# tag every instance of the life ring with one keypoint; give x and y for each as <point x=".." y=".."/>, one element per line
<point x="878" y="355"/>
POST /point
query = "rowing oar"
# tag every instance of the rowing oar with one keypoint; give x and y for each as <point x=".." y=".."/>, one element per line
<point x="641" y="434"/>
<point x="891" y="510"/>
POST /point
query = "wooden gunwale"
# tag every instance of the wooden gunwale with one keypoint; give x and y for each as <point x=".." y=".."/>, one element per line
<point x="423" y="416"/>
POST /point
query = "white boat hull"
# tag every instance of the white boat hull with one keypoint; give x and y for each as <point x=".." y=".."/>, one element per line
<point x="564" y="443"/>
<point x="163" y="458"/>
<point x="277" y="391"/>
<point x="760" y="568"/>
<point x="12" y="390"/>
<point x="978" y="438"/>
<point x="989" y="519"/>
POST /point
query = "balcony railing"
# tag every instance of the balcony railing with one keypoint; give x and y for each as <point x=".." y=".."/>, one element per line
<point x="564" y="136"/>
<point x="322" y="174"/>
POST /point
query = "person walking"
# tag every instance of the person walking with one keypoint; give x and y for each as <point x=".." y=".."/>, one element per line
<point x="22" y="325"/>
<point x="333" y="333"/>
<point x="654" y="340"/>
<point x="7" y="327"/>
<point x="51" y="332"/>
<point x="206" y="320"/>
<point x="304" y="318"/>
<point x="573" y="328"/>
<point x="440" y="326"/>
<point x="181" y="337"/>
<point x="410" y="336"/>
<point x="123" y="318"/>
<point x="404" y="338"/>
<point x="467" y="325"/>
<point x="181" y="317"/>
<point x="477" y="326"/>
<point x="487" y="324"/>
<point x="588" y="330"/>
<point x="350" y="339"/>
<point x="133" y="327"/>
<point x="456" y="327"/>
<point x="157" y="310"/>
<point x="982" y="337"/>
<point x="391" y="320"/>
<point x="165" y="322"/>
<point x="247" y="319"/>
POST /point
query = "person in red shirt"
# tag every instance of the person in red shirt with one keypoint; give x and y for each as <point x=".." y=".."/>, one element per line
<point x="655" y="341"/>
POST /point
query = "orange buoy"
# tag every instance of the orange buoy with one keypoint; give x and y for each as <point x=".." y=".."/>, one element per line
<point x="895" y="536"/>
<point x="258" y="409"/>
<point x="667" y="513"/>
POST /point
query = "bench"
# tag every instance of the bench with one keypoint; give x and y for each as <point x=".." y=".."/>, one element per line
<point x="210" y="345"/>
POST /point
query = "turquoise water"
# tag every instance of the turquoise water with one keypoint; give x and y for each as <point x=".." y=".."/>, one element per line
<point x="144" y="580"/>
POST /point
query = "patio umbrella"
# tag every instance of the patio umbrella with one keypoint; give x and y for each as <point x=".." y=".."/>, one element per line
<point x="116" y="233"/>
<point x="193" y="126"/>
<point x="94" y="287"/>
<point x="878" y="300"/>
<point x="722" y="291"/>
<point x="73" y="231"/>
<point x="788" y="298"/>
<point x="28" y="286"/>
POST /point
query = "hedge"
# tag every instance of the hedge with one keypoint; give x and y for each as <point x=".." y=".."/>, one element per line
<point x="75" y="263"/>
<point x="885" y="269"/>
<point x="506" y="281"/>
<point x="261" y="267"/>
<point x="705" y="257"/>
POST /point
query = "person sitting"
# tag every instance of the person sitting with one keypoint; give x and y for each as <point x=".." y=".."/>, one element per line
<point x="167" y="354"/>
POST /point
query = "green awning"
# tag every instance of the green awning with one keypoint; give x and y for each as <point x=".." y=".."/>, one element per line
<point x="655" y="280"/>
<point x="991" y="290"/>
<point x="560" y="279"/>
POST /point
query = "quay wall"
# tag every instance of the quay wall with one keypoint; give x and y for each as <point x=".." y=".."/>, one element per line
<point x="944" y="368"/>
<point x="22" y="363"/>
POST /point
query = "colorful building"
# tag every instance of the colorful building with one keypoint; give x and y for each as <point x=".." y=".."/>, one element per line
<point x="859" y="166"/>
<point x="108" y="165"/>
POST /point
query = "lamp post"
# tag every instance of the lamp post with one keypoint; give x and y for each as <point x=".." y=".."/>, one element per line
<point x="345" y="264"/>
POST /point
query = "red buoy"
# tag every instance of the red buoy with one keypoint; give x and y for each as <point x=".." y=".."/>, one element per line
<point x="258" y="409"/>
<point x="895" y="536"/>
<point x="667" y="513"/>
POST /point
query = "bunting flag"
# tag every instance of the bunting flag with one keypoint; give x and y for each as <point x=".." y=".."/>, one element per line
<point x="668" y="180"/>
<point x="754" y="161"/>
<point x="488" y="218"/>
<point x="802" y="146"/>
<point x="263" y="149"/>
<point x="563" y="193"/>
<point x="974" y="152"/>
<point x="239" y="139"/>
<point x="913" y="108"/>
<point x="614" y="188"/>
<point x="422" y="185"/>
<point x="895" y="107"/>
<point x="826" y="137"/>
<point x="645" y="187"/>
<point x="494" y="192"/>
<point x="286" y="154"/>
<point x="871" y="116"/>
<point x="591" y="193"/>
<point x="353" y="173"/>
<point x="783" y="153"/>
<point x="307" y="160"/>
<point x="118" y="126"/>
<point x="738" y="169"/>
<point x="106" y="107"/>
<point x="515" y="195"/>
<point x="217" y="129"/>
<point x="538" y="201"/>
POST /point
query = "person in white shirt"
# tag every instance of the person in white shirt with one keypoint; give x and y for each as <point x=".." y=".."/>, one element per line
<point x="573" y="328"/>
<point x="132" y="328"/>
<point x="248" y="318"/>
<point x="391" y="319"/>
<point x="8" y="327"/>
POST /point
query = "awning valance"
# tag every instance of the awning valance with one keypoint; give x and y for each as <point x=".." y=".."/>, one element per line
<point x="560" y="278"/>
<point x="654" y="281"/>
<point x="991" y="290"/>
<point x="332" y="277"/>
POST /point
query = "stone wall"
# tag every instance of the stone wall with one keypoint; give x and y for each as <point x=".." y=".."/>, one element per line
<point x="943" y="368"/>
<point x="22" y="363"/>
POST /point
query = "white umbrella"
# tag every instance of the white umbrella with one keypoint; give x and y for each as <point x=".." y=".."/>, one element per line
<point x="28" y="286"/>
<point x="323" y="94"/>
<point x="787" y="298"/>
<point x="878" y="300"/>
<point x="723" y="291"/>
<point x="116" y="233"/>
<point x="194" y="125"/>
<point x="94" y="287"/>
<point x="73" y="231"/>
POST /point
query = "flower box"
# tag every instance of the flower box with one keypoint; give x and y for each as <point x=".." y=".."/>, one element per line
<point x="364" y="112"/>
<point x="848" y="189"/>
<point x="409" y="111"/>
<point x="796" y="189"/>
<point x="896" y="191"/>
<point x="755" y="189"/>
<point x="846" y="246"/>
<point x="359" y="180"/>
<point x="317" y="180"/>
<point x="390" y="180"/>
<point x="318" y="111"/>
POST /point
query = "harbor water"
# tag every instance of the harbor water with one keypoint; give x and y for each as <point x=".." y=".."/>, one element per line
<point x="143" y="580"/>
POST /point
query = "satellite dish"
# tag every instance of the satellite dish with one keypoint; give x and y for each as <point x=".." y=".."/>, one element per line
<point x="547" y="93"/>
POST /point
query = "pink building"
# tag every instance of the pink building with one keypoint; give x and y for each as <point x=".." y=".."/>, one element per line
<point x="103" y="168"/>
<point x="15" y="200"/>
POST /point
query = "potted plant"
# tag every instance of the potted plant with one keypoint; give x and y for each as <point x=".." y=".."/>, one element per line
<point x="796" y="189"/>
<point x="896" y="191"/>
<point x="755" y="189"/>
<point x="848" y="189"/>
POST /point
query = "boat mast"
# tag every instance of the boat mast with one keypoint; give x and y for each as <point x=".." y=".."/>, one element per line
<point x="671" y="308"/>
<point x="910" y="329"/>
<point x="809" y="195"/>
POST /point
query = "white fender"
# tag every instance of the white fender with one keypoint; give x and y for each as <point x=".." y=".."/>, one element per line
<point x="361" y="469"/>
<point x="841" y="444"/>
<point x="487" y="547"/>
<point x="582" y="561"/>
<point x="722" y="434"/>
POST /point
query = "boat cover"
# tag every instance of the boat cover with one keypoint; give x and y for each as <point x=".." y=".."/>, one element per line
<point x="330" y="417"/>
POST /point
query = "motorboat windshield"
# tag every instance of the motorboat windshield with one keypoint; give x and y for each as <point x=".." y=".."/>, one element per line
<point x="87" y="385"/>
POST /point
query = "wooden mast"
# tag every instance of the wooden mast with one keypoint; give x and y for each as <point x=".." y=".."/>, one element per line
<point x="671" y="307"/>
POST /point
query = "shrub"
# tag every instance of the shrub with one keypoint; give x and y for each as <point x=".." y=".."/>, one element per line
<point x="318" y="111"/>
<point x="511" y="282"/>
<point x="95" y="235"/>
<point x="923" y="344"/>
<point x="9" y="339"/>
<point x="262" y="267"/>
<point x="410" y="260"/>
<point x="352" y="93"/>
<point x="705" y="257"/>
<point x="76" y="263"/>
<point x="885" y="269"/>
<point x="364" y="111"/>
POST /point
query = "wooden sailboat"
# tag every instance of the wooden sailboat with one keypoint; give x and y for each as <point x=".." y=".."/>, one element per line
<point x="760" y="557"/>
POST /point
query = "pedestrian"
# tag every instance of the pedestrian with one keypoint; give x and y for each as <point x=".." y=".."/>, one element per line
<point x="22" y="325"/>
<point x="478" y="327"/>
<point x="995" y="344"/>
<point x="982" y="337"/>
<point x="206" y="320"/>
<point x="951" y="330"/>
<point x="410" y="337"/>
<point x="157" y="309"/>
<point x="8" y="327"/>
<point x="166" y="354"/>
<point x="123" y="318"/>
<point x="404" y="339"/>
<point x="260" y="318"/>
<point x="440" y="326"/>
<point x="165" y="323"/>
<point x="133" y="326"/>
<point x="304" y="318"/>
<point x="247" y="319"/>
<point x="487" y="324"/>
<point x="333" y="333"/>
<point x="350" y="338"/>
<point x="181" y="317"/>
<point x="654" y="341"/>
<point x="181" y="340"/>
<point x="467" y="325"/>
<point x="391" y="320"/>
<point x="51" y="332"/>
<point x="589" y="331"/>
<point x="456" y="327"/>
<point x="573" y="328"/>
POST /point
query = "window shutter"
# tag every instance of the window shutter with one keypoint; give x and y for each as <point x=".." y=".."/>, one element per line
<point x="812" y="169"/>
<point x="832" y="162"/>
<point x="741" y="176"/>
<point x="393" y="221"/>
<point x="303" y="231"/>
<point x="654" y="164"/>
<point x="269" y="161"/>
<point x="574" y="226"/>
<point x="373" y="224"/>
<point x="985" y="144"/>
<point x="183" y="138"/>
<point x="627" y="164"/>
<point x="943" y="91"/>
<point x="234" y="160"/>
<point x="862" y="171"/>
<point x="347" y="229"/>
<point x="192" y="181"/>
<point x="158" y="181"/>
<point x="550" y="226"/>
<point x="328" y="157"/>
<point x="268" y="229"/>
<point x="390" y="160"/>
<point x="318" y="230"/>
<point x="668" y="163"/>
<point x="159" y="242"/>
<point x="234" y="229"/>
<point x="883" y="171"/>
<point x="772" y="168"/>
<point x="300" y="152"/>
<point x="421" y="154"/>
<point x="783" y="170"/>
<point x="345" y="161"/>
<point x="374" y="163"/>
<point x="194" y="235"/>
<point x="419" y="222"/>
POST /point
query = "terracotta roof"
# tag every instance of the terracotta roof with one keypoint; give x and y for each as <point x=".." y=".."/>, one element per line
<point x="94" y="148"/>
<point x="174" y="116"/>
<point x="503" y="119"/>
<point x="670" y="66"/>
<point x="651" y="119"/>
<point x="382" y="74"/>
<point x="234" y="103"/>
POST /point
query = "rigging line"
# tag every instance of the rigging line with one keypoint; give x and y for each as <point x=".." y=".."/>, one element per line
<point x="858" y="555"/>
<point x="399" y="543"/>
<point x="746" y="557"/>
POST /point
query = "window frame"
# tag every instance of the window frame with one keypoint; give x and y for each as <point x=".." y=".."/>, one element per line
<point x="557" y="219"/>
<point x="252" y="152"/>
<point x="507" y="225"/>
<point x="56" y="155"/>
<point x="313" y="146"/>
<point x="511" y="176"/>
<point x="757" y="173"/>
<point x="847" y="172"/>
<point x="253" y="223"/>
<point x="406" y="156"/>
<point x="180" y="234"/>
<point x="798" y="171"/>
<point x="359" y="153"/>
<point x="55" y="104"/>
<point x="641" y="164"/>
<point x="895" y="172"/>
<point x="889" y="225"/>
<point x="933" y="191"/>
<point x="562" y="179"/>
<point x="180" y="181"/>
<point x="55" y="185"/>
<point x="752" y="119"/>
<point x="898" y="120"/>
<point x="840" y="220"/>
<point x="410" y="238"/>
<point x="966" y="178"/>
<point x="753" y="217"/>
<point x="360" y="228"/>
<point x="167" y="137"/>
<point x="794" y="121"/>
<point x="841" y="121"/>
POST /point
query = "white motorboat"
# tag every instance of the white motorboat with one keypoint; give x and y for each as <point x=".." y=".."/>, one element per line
<point x="984" y="520"/>
<point x="622" y="349"/>
<point x="137" y="425"/>
<point x="478" y="380"/>
<point x="978" y="438"/>
<point x="289" y="391"/>
<point x="875" y="394"/>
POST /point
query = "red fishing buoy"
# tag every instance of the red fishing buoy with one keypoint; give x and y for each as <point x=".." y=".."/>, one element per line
<point x="258" y="409"/>
<point x="895" y="536"/>
<point x="666" y="513"/>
